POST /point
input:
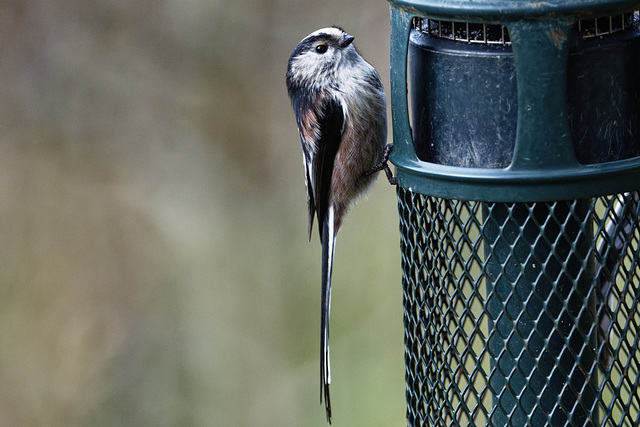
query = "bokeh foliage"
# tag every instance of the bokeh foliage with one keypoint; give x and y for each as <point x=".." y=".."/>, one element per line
<point x="154" y="268"/>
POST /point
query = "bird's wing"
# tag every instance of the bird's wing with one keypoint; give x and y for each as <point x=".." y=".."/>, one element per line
<point x="321" y="126"/>
<point x="330" y="127"/>
<point x="311" y="204"/>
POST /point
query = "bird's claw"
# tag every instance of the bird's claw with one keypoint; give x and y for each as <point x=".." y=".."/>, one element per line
<point x="384" y="165"/>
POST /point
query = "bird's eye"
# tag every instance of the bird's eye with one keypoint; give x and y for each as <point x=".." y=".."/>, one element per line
<point x="321" y="47"/>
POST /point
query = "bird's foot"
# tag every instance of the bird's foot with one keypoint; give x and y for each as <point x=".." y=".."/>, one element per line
<point x="384" y="165"/>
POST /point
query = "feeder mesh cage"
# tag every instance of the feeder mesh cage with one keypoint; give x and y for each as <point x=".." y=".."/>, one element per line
<point x="500" y="297"/>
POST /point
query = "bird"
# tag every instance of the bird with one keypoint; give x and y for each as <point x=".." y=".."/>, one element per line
<point x="341" y="113"/>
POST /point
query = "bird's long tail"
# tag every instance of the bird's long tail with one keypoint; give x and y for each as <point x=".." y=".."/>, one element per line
<point x="328" y="245"/>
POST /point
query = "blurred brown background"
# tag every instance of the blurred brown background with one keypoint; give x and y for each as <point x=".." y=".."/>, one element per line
<point x="154" y="265"/>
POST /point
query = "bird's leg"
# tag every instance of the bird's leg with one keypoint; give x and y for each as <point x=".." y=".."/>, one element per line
<point x="384" y="165"/>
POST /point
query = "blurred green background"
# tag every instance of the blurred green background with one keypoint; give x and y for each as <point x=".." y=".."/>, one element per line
<point x="154" y="263"/>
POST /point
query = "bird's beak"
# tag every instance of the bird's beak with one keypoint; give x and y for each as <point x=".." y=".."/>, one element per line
<point x="348" y="38"/>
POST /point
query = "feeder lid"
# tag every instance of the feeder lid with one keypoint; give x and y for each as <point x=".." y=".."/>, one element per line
<point x="505" y="10"/>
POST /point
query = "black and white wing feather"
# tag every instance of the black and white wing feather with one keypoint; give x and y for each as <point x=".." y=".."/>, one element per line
<point x="321" y="125"/>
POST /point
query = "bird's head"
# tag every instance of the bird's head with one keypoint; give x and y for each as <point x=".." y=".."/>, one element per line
<point x="321" y="57"/>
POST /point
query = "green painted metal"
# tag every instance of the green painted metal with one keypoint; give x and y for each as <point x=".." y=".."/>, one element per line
<point x="506" y="10"/>
<point x="544" y="165"/>
<point x="502" y="266"/>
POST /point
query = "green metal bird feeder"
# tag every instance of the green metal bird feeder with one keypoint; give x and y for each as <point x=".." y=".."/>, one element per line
<point x="516" y="129"/>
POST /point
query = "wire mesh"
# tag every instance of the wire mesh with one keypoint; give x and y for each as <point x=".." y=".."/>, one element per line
<point x="521" y="313"/>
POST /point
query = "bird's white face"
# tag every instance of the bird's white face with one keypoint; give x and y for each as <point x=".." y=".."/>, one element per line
<point x="320" y="55"/>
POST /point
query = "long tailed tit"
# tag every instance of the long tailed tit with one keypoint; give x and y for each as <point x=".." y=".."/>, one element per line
<point x="340" y="109"/>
